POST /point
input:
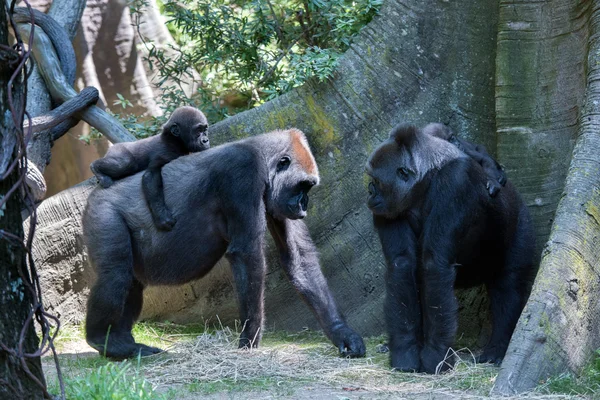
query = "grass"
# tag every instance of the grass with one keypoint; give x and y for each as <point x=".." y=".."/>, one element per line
<point x="205" y="361"/>
<point x="110" y="381"/>
<point x="585" y="384"/>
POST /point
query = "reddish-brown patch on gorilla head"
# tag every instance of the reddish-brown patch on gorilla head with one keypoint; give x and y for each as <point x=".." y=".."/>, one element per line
<point x="302" y="152"/>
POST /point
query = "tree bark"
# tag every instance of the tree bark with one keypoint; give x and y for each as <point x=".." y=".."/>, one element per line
<point x="559" y="329"/>
<point x="540" y="86"/>
<point x="15" y="300"/>
<point x="68" y="14"/>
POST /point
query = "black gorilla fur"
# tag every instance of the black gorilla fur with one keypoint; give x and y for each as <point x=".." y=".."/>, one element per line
<point x="494" y="171"/>
<point x="439" y="229"/>
<point x="185" y="132"/>
<point x="225" y="199"/>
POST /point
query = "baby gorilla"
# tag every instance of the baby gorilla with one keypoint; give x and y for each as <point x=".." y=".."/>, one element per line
<point x="185" y="132"/>
<point x="492" y="169"/>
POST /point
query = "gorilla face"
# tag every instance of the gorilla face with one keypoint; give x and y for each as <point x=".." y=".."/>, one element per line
<point x="393" y="176"/>
<point x="397" y="168"/>
<point x="190" y="125"/>
<point x="292" y="174"/>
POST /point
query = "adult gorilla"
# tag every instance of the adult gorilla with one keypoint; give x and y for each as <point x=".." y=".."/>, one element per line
<point x="440" y="228"/>
<point x="224" y="199"/>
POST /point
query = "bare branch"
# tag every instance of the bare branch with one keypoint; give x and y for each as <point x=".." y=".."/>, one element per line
<point x="68" y="109"/>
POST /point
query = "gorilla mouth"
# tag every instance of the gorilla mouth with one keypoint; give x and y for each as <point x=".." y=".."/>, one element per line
<point x="298" y="207"/>
<point x="199" y="146"/>
<point x="304" y="202"/>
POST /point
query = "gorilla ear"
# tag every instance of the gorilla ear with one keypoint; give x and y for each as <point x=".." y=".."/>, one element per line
<point x="174" y="129"/>
<point x="404" y="134"/>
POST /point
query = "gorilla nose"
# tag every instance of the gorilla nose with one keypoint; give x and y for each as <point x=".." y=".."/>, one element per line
<point x="204" y="140"/>
<point x="371" y="188"/>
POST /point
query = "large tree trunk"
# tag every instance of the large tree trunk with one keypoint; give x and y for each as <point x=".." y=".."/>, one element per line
<point x="15" y="300"/>
<point x="560" y="327"/>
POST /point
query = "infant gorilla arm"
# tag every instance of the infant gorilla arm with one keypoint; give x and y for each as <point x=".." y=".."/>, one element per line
<point x="185" y="132"/>
<point x="493" y="170"/>
<point x="224" y="199"/>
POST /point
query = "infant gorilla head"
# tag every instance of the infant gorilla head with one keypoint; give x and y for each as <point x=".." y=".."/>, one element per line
<point x="439" y="228"/>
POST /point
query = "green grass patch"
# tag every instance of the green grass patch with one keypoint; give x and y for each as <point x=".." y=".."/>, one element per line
<point x="203" y="361"/>
<point x="587" y="383"/>
<point x="110" y="381"/>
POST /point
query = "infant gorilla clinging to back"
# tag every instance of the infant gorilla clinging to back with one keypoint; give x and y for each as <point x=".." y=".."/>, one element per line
<point x="185" y="132"/>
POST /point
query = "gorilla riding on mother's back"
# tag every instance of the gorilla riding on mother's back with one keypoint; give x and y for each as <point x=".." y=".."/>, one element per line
<point x="224" y="199"/>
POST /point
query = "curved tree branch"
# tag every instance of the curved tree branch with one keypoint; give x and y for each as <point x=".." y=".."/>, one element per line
<point x="58" y="36"/>
<point x="68" y="109"/>
<point x="61" y="91"/>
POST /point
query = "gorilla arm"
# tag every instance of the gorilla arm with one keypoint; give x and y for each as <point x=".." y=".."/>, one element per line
<point x="301" y="264"/>
<point x="152" y="184"/>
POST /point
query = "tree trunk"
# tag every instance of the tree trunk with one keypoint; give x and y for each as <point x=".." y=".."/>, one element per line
<point x="15" y="300"/>
<point x="560" y="327"/>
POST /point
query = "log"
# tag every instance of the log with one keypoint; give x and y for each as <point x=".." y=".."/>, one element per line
<point x="68" y="109"/>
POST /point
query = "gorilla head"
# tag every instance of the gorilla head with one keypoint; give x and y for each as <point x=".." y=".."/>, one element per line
<point x="292" y="173"/>
<point x="399" y="165"/>
<point x="190" y="126"/>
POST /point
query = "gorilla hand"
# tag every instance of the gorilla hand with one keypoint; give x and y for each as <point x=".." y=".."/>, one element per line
<point x="349" y="343"/>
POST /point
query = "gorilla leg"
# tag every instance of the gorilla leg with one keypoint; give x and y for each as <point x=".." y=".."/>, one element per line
<point x="509" y="292"/>
<point x="116" y="298"/>
<point x="402" y="307"/>
<point x="249" y="270"/>
<point x="440" y="309"/>
<point x="506" y="303"/>
<point x="115" y="165"/>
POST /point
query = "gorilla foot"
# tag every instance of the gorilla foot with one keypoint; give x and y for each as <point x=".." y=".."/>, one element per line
<point x="147" y="350"/>
<point x="502" y="175"/>
<point x="406" y="360"/>
<point x="436" y="360"/>
<point x="165" y="222"/>
<point x="119" y="348"/>
<point x="493" y="188"/>
<point x="490" y="355"/>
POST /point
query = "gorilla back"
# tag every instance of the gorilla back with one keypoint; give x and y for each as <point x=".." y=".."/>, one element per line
<point x="224" y="199"/>
<point x="439" y="228"/>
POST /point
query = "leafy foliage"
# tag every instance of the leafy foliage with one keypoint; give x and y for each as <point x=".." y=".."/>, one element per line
<point x="246" y="52"/>
<point x="249" y="51"/>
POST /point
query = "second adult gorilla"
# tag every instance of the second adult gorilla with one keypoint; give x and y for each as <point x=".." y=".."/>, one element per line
<point x="224" y="199"/>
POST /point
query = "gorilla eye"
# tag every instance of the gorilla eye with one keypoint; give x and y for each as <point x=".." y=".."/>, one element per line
<point x="403" y="173"/>
<point x="283" y="163"/>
